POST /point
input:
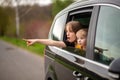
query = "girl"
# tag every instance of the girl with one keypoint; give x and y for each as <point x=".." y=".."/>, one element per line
<point x="71" y="28"/>
<point x="81" y="38"/>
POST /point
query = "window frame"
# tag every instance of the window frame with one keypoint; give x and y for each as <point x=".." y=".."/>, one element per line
<point x="80" y="11"/>
<point x="92" y="33"/>
<point x="53" y="26"/>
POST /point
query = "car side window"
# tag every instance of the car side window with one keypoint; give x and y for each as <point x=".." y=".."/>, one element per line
<point x="58" y="28"/>
<point x="107" y="41"/>
<point x="83" y="16"/>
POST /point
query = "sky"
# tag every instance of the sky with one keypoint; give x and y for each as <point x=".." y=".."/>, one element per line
<point x="40" y="2"/>
<point x="30" y="2"/>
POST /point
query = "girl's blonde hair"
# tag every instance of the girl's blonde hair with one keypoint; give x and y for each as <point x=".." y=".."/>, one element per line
<point x="82" y="31"/>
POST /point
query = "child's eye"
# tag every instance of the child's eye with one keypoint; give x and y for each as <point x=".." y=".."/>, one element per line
<point x="81" y="37"/>
<point x="71" y="31"/>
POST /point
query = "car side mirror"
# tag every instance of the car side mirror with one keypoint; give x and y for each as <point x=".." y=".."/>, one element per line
<point x="114" y="69"/>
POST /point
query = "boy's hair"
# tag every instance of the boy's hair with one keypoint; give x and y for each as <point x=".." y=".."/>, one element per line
<point x="75" y="25"/>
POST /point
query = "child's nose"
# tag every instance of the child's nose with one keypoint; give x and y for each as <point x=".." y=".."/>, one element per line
<point x="79" y="40"/>
<point x="67" y="33"/>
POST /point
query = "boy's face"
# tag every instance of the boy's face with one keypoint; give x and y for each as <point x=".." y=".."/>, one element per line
<point x="81" y="38"/>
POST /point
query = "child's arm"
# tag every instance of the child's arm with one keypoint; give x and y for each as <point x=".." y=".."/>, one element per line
<point x="45" y="42"/>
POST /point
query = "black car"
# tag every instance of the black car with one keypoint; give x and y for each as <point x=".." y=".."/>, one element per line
<point x="101" y="60"/>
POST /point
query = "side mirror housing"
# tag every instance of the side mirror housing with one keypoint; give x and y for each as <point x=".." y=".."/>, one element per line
<point x="114" y="69"/>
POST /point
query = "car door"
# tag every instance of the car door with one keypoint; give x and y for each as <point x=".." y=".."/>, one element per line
<point x="104" y="44"/>
<point x="69" y="64"/>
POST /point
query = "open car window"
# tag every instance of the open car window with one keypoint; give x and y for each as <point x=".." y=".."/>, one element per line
<point x="83" y="16"/>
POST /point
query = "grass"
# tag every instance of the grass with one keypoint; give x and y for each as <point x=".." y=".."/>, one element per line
<point x="36" y="48"/>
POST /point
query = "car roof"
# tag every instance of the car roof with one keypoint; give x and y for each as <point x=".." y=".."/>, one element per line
<point x="79" y="3"/>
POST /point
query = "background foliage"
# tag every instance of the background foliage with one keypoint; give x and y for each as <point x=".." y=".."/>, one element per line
<point x="33" y="19"/>
<point x="58" y="5"/>
<point x="35" y="22"/>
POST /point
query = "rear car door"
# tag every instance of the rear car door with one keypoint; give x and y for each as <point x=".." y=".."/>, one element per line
<point x="69" y="64"/>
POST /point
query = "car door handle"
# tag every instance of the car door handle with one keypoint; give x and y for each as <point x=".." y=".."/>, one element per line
<point x="77" y="74"/>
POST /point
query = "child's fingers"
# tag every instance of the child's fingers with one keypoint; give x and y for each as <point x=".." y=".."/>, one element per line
<point x="28" y="41"/>
<point x="24" y="39"/>
<point x="29" y="44"/>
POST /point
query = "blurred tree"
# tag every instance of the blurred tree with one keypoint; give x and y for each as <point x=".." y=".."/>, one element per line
<point x="58" y="5"/>
<point x="11" y="28"/>
<point x="5" y="2"/>
<point x="3" y="21"/>
<point x="31" y="17"/>
<point x="12" y="2"/>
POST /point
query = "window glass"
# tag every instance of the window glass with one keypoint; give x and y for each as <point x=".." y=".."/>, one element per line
<point x="107" y="43"/>
<point x="83" y="18"/>
<point x="59" y="28"/>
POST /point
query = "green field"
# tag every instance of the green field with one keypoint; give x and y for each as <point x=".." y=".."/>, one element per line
<point x="36" y="48"/>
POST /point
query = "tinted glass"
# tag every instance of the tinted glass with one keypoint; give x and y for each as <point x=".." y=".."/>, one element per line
<point x="59" y="28"/>
<point x="107" y="44"/>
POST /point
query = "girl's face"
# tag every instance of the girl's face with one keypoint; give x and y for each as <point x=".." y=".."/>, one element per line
<point x="81" y="38"/>
<point x="71" y="37"/>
